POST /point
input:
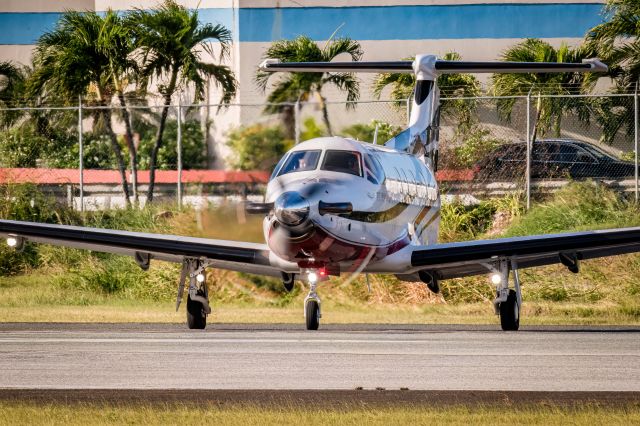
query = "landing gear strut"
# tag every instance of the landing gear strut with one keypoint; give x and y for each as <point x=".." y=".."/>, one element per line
<point x="312" y="313"/>
<point x="508" y="301"/>
<point x="198" y="296"/>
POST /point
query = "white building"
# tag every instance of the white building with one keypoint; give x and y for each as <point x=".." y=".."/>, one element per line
<point x="387" y="29"/>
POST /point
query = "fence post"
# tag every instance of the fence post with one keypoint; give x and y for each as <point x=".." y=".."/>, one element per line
<point x="529" y="149"/>
<point x="635" y="136"/>
<point x="179" y="148"/>
<point x="80" y="154"/>
<point x="296" y="120"/>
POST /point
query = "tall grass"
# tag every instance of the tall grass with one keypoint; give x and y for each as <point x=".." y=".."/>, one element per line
<point x="89" y="277"/>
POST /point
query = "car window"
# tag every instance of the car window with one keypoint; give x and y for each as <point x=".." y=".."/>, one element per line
<point x="300" y="161"/>
<point x="568" y="154"/>
<point x="343" y="162"/>
<point x="546" y="152"/>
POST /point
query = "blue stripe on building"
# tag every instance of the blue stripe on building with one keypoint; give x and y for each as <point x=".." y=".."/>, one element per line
<point x="422" y="22"/>
<point x="491" y="21"/>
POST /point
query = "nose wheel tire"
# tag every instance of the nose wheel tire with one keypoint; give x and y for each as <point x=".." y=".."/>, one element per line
<point x="510" y="313"/>
<point x="312" y="314"/>
<point x="196" y="316"/>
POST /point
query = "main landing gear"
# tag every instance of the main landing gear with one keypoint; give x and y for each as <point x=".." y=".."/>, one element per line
<point x="508" y="301"/>
<point x="198" y="295"/>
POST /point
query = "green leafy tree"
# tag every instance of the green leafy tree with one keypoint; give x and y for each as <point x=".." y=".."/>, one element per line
<point x="549" y="110"/>
<point x="617" y="43"/>
<point x="293" y="87"/>
<point x="81" y="57"/>
<point x="171" y="40"/>
<point x="257" y="147"/>
<point x="193" y="146"/>
<point x="451" y="85"/>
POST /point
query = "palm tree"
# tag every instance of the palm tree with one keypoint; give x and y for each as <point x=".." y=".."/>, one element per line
<point x="451" y="85"/>
<point x="295" y="87"/>
<point x="170" y="40"/>
<point x="549" y="110"/>
<point x="617" y="43"/>
<point x="12" y="81"/>
<point x="82" y="57"/>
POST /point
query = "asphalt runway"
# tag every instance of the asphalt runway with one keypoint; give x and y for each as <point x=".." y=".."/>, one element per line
<point x="242" y="357"/>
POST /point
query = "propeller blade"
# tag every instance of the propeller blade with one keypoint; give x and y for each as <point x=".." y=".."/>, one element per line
<point x="258" y="208"/>
<point x="335" y="208"/>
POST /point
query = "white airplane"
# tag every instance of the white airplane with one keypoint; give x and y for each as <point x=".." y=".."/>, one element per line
<point x="335" y="205"/>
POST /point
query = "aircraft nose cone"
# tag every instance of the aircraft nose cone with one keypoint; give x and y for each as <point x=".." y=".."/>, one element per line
<point x="291" y="208"/>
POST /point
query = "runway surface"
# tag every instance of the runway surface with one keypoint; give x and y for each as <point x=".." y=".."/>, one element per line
<point x="112" y="356"/>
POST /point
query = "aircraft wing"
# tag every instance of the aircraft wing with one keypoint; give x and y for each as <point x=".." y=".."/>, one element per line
<point x="232" y="255"/>
<point x="461" y="259"/>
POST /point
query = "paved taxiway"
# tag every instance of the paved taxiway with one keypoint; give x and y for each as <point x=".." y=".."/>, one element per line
<point x="108" y="356"/>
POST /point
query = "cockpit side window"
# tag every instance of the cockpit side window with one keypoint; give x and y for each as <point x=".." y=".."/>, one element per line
<point x="277" y="167"/>
<point x="343" y="162"/>
<point x="300" y="161"/>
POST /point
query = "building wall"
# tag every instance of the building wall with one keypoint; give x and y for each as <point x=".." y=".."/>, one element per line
<point x="387" y="30"/>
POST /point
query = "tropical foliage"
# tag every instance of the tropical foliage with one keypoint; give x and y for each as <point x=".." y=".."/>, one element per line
<point x="451" y="86"/>
<point x="257" y="147"/>
<point x="617" y="43"/>
<point x="549" y="110"/>
<point x="170" y="41"/>
<point x="294" y="87"/>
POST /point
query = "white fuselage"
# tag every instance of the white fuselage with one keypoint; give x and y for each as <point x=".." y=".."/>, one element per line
<point x="393" y="197"/>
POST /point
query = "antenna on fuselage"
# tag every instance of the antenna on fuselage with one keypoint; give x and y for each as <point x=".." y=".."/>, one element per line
<point x="375" y="134"/>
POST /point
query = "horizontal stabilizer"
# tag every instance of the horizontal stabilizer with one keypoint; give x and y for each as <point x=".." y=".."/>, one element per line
<point x="442" y="67"/>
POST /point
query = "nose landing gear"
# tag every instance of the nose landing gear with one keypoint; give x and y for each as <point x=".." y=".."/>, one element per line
<point x="312" y="312"/>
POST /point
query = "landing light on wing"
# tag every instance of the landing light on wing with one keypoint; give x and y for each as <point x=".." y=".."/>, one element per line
<point x="12" y="242"/>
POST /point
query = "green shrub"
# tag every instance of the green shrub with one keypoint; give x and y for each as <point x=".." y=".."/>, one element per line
<point x="477" y="143"/>
<point x="193" y="146"/>
<point x="366" y="132"/>
<point x="257" y="147"/>
<point x="311" y="130"/>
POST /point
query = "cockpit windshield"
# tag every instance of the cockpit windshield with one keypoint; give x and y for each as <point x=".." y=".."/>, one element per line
<point x="300" y="161"/>
<point x="343" y="162"/>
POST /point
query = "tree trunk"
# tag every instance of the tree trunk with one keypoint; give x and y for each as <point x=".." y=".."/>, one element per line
<point x="289" y="121"/>
<point x="133" y="155"/>
<point x="118" y="153"/>
<point x="325" y="115"/>
<point x="156" y="147"/>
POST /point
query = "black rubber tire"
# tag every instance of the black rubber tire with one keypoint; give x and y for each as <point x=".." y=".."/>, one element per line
<point x="196" y="318"/>
<point x="312" y="314"/>
<point x="510" y="313"/>
<point x="288" y="285"/>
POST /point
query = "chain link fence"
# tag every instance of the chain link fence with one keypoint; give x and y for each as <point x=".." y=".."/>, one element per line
<point x="489" y="146"/>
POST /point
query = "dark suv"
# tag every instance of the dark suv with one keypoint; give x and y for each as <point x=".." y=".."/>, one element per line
<point x="553" y="158"/>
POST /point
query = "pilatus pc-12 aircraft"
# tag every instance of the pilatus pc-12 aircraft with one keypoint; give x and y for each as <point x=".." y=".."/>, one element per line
<point x="336" y="206"/>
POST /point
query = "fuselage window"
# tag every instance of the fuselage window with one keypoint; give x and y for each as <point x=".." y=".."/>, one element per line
<point x="300" y="161"/>
<point x="374" y="170"/>
<point x="342" y="162"/>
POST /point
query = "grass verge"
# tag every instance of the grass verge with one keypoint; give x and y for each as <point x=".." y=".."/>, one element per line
<point x="22" y="413"/>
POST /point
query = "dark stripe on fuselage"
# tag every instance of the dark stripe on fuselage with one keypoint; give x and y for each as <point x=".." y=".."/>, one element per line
<point x="426" y="225"/>
<point x="381" y="216"/>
